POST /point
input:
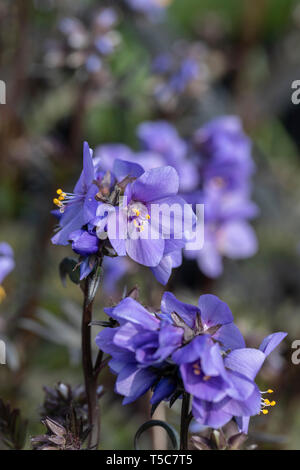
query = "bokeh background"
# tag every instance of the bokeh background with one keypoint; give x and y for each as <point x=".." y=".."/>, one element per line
<point x="249" y="53"/>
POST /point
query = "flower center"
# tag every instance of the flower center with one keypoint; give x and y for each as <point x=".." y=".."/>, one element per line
<point x="265" y="402"/>
<point x="197" y="371"/>
<point x="138" y="215"/>
<point x="196" y="368"/>
<point x="63" y="199"/>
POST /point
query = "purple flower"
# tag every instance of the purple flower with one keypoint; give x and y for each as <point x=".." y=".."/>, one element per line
<point x="149" y="7"/>
<point x="106" y="19"/>
<point x="223" y="387"/>
<point x="196" y="349"/>
<point x="187" y="73"/>
<point x="227" y="231"/>
<point x="114" y="270"/>
<point x="79" y="207"/>
<point x="162" y="138"/>
<point x="7" y="264"/>
<point x="139" y="348"/>
<point x="224" y="154"/>
<point x="150" y="218"/>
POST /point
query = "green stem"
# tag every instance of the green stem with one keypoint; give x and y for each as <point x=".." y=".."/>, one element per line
<point x="89" y="372"/>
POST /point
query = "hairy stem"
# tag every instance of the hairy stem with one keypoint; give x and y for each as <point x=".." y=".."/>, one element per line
<point x="90" y="377"/>
<point x="185" y="421"/>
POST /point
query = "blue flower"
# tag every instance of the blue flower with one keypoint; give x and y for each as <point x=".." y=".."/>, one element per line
<point x="140" y="228"/>
<point x="196" y="349"/>
<point x="79" y="207"/>
<point x="139" y="348"/>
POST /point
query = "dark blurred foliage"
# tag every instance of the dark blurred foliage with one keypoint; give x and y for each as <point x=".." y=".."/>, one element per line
<point x="250" y="57"/>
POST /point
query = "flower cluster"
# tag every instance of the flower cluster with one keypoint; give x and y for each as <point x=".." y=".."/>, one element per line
<point x="120" y="210"/>
<point x="7" y="264"/>
<point x="85" y="45"/>
<point x="187" y="349"/>
<point x="215" y="169"/>
<point x="187" y="70"/>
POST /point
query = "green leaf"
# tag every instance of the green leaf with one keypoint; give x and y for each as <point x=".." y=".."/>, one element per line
<point x="69" y="267"/>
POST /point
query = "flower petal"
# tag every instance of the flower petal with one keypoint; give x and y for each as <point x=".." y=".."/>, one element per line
<point x="131" y="310"/>
<point x="187" y="312"/>
<point x="271" y="342"/>
<point x="155" y="184"/>
<point x="246" y="361"/>
<point x="214" y="311"/>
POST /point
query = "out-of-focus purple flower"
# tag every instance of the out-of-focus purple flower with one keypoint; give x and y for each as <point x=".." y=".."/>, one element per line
<point x="93" y="63"/>
<point x="7" y="264"/>
<point x="86" y="44"/>
<point x="107" y="43"/>
<point x="187" y="73"/>
<point x="149" y="7"/>
<point x="114" y="270"/>
<point x="79" y="207"/>
<point x="139" y="348"/>
<point x="163" y="139"/>
<point x="142" y="228"/>
<point x="227" y="231"/>
<point x="224" y="154"/>
<point x="106" y="19"/>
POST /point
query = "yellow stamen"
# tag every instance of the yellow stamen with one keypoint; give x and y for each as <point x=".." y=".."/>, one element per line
<point x="267" y="402"/>
<point x="61" y="198"/>
<point x="265" y="412"/>
<point x="196" y="369"/>
<point x="270" y="390"/>
<point x="148" y="216"/>
<point x="57" y="202"/>
<point x="59" y="192"/>
<point x="273" y="403"/>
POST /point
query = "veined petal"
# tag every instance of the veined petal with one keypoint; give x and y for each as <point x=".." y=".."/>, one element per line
<point x="246" y="361"/>
<point x="271" y="342"/>
<point x="131" y="310"/>
<point x="134" y="382"/>
<point x="148" y="252"/>
<point x="214" y="311"/>
<point x="230" y="337"/>
<point x="210" y="414"/>
<point x="155" y="184"/>
<point x="249" y="407"/>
